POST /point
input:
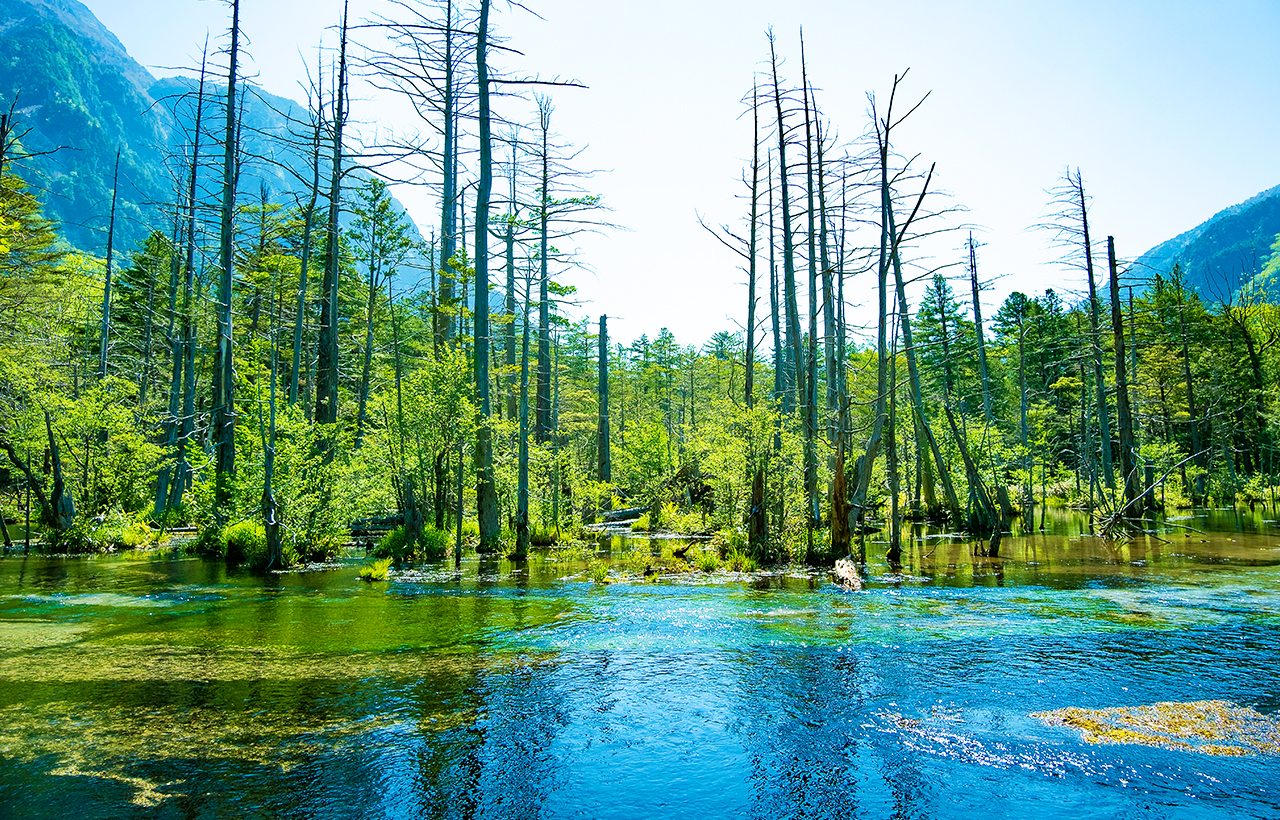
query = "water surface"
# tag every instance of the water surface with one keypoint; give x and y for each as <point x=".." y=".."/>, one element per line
<point x="161" y="686"/>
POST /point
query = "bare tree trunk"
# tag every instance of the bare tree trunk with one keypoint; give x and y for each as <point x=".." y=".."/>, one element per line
<point x="988" y="416"/>
<point x="105" y="336"/>
<point x="509" y="378"/>
<point x="486" y="488"/>
<point x="270" y="510"/>
<point x="542" y="416"/>
<point x="757" y="516"/>
<point x="308" y="223"/>
<point x="224" y="412"/>
<point x="1128" y="460"/>
<point x="449" y="190"/>
<point x="795" y="367"/>
<point x="923" y="431"/>
<point x="1100" y="389"/>
<point x="327" y="368"/>
<point x="171" y="482"/>
<point x="894" y="555"/>
<point x="604" y="469"/>
<point x="522" y="466"/>
<point x="366" y="370"/>
<point x="809" y="406"/>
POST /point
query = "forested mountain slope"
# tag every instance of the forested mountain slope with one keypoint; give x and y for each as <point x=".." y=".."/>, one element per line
<point x="78" y="91"/>
<point x="1225" y="251"/>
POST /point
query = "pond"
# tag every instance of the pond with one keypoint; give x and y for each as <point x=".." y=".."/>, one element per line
<point x="158" y="686"/>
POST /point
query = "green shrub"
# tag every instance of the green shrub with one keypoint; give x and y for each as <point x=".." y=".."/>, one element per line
<point x="377" y="571"/>
<point x="641" y="524"/>
<point x="708" y="562"/>
<point x="247" y="541"/>
<point x="72" y="541"/>
<point x="434" y="543"/>
<point x="541" y="536"/>
<point x="394" y="545"/>
<point x="600" y="573"/>
<point x="211" y="543"/>
<point x="740" y="562"/>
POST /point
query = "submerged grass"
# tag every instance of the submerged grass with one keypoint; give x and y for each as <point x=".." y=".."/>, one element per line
<point x="1213" y="727"/>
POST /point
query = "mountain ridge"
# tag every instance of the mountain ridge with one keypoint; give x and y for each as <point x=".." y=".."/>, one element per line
<point x="1225" y="251"/>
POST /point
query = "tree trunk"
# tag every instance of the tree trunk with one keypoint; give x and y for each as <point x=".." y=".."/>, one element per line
<point x="104" y="339"/>
<point x="988" y="416"/>
<point x="604" y="469"/>
<point x="809" y="407"/>
<point x="327" y="368"/>
<point x="224" y="411"/>
<point x="449" y="190"/>
<point x="308" y="223"/>
<point x="542" y="416"/>
<point x="486" y="488"/>
<point x="366" y="370"/>
<point x="1128" y="446"/>
<point x="1100" y="388"/>
<point x="522" y="467"/>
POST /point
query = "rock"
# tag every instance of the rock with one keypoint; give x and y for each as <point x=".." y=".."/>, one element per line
<point x="847" y="575"/>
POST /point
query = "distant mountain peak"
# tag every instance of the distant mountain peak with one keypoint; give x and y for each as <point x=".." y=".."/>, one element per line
<point x="1226" y="250"/>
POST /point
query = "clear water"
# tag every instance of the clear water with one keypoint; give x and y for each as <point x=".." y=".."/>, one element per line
<point x="168" y="687"/>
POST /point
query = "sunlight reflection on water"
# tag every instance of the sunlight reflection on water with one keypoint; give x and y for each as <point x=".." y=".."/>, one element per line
<point x="174" y="688"/>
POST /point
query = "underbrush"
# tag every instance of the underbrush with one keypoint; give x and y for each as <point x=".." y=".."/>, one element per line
<point x="395" y="545"/>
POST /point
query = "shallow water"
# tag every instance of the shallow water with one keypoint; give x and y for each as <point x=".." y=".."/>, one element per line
<point x="158" y="686"/>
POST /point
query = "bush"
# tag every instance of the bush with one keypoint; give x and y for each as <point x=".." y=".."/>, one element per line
<point x="211" y="543"/>
<point x="377" y="571"/>
<point x="540" y="536"/>
<point x="708" y="562"/>
<point x="641" y="524"/>
<point x="395" y="546"/>
<point x="740" y="562"/>
<point x="247" y="541"/>
<point x="392" y="545"/>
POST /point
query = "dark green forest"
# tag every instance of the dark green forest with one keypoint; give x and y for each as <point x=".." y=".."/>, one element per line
<point x="263" y="375"/>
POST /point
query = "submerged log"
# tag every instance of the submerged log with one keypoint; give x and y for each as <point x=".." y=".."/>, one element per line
<point x="847" y="575"/>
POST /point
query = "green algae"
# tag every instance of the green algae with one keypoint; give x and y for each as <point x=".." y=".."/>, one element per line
<point x="1212" y="727"/>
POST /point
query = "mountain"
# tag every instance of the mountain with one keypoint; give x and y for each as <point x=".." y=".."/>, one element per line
<point x="79" y="95"/>
<point x="1225" y="251"/>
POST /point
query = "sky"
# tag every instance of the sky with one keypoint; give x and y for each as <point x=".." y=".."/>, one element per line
<point x="1170" y="109"/>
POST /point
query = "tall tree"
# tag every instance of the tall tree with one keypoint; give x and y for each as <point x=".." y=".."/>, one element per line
<point x="105" y="337"/>
<point x="327" y="367"/>
<point x="486" y="487"/>
<point x="224" y="411"/>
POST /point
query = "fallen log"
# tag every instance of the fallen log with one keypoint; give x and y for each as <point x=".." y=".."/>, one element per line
<point x="628" y="514"/>
<point x="847" y="575"/>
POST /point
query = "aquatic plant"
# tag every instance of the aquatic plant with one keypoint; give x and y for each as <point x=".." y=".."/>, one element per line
<point x="708" y="562"/>
<point x="1213" y="727"/>
<point x="600" y="573"/>
<point x="543" y="536"/>
<point x="377" y="571"/>
<point x="247" y="541"/>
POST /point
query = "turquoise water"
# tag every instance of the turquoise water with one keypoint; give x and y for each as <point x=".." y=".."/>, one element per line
<point x="160" y="686"/>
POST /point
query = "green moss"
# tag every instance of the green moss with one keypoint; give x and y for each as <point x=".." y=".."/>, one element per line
<point x="1213" y="727"/>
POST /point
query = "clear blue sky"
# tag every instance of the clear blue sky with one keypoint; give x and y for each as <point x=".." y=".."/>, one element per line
<point x="1170" y="109"/>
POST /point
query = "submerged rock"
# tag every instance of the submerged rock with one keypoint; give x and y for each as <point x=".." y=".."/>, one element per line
<point x="847" y="575"/>
<point x="1213" y="727"/>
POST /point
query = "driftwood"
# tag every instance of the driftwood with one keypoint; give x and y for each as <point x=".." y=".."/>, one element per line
<point x="847" y="575"/>
<point x="628" y="514"/>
